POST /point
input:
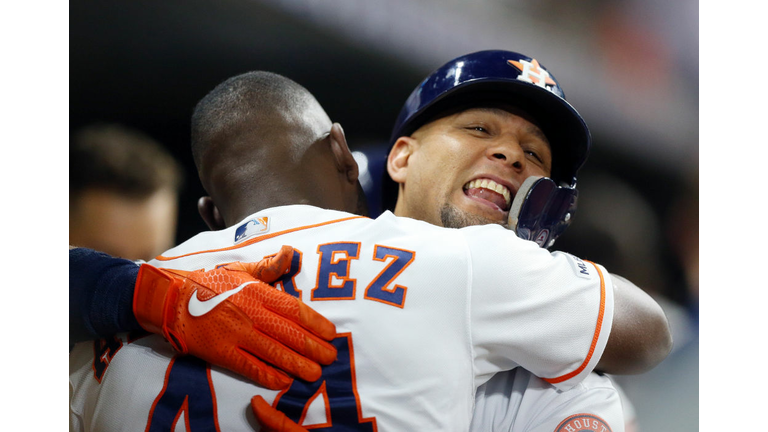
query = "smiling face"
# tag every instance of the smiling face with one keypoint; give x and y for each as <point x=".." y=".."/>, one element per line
<point x="465" y="168"/>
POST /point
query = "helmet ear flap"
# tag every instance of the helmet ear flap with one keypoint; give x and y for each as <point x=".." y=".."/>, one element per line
<point x="542" y="210"/>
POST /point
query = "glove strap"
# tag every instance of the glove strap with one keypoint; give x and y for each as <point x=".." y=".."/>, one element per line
<point x="541" y="210"/>
<point x="155" y="291"/>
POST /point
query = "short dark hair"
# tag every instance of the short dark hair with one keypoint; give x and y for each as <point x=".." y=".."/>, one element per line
<point x="122" y="160"/>
<point x="240" y="102"/>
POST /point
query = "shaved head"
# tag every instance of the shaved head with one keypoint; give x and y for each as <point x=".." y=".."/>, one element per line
<point x="261" y="140"/>
<point x="258" y="106"/>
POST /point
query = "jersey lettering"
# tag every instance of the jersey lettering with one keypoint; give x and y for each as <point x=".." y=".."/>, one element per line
<point x="188" y="390"/>
<point x="103" y="351"/>
<point x="333" y="281"/>
<point x="377" y="290"/>
<point x="338" y="388"/>
<point x="288" y="281"/>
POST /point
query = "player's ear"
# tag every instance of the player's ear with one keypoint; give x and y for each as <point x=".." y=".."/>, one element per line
<point x="345" y="162"/>
<point x="397" y="160"/>
<point x="210" y="213"/>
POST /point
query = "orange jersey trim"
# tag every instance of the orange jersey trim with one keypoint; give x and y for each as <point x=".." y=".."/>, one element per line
<point x="258" y="239"/>
<point x="595" y="338"/>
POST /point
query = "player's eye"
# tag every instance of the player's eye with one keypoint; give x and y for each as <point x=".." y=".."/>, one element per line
<point x="478" y="128"/>
<point x="534" y="154"/>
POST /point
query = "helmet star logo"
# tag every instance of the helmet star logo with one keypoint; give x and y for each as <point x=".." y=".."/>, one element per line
<point x="532" y="72"/>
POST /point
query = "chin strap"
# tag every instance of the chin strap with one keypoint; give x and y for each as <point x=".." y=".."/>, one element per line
<point x="541" y="210"/>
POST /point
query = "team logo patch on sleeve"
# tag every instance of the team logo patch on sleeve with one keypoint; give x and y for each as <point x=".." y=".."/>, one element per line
<point x="583" y="423"/>
<point x="252" y="227"/>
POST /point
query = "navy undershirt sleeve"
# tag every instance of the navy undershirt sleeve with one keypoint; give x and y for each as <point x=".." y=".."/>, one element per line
<point x="100" y="295"/>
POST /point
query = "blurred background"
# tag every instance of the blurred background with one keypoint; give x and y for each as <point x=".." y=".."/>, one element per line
<point x="630" y="67"/>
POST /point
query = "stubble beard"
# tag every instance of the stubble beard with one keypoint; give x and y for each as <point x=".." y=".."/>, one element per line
<point x="453" y="217"/>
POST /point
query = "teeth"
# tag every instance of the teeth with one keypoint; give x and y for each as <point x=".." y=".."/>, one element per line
<point x="500" y="189"/>
<point x="490" y="185"/>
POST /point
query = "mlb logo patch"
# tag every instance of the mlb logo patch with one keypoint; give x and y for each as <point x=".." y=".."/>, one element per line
<point x="252" y="227"/>
<point x="579" y="267"/>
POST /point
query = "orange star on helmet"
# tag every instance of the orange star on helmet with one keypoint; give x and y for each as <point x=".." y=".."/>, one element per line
<point x="532" y="72"/>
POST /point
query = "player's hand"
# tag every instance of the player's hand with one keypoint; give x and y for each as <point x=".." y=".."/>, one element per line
<point x="272" y="420"/>
<point x="229" y="318"/>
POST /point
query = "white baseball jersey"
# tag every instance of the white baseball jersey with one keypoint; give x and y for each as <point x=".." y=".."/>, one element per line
<point x="424" y="315"/>
<point x="517" y="401"/>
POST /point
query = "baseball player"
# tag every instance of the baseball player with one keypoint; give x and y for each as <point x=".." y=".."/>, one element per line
<point x="500" y="116"/>
<point x="260" y="142"/>
<point x="463" y="146"/>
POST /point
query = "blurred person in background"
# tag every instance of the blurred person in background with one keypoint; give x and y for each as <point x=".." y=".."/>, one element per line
<point x="123" y="192"/>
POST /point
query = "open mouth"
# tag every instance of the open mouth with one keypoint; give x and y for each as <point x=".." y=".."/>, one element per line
<point x="486" y="189"/>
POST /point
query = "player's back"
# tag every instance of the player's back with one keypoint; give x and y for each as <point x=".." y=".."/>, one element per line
<point x="400" y="294"/>
<point x="403" y="364"/>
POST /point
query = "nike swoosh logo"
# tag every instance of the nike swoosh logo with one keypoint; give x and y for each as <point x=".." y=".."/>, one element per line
<point x="199" y="308"/>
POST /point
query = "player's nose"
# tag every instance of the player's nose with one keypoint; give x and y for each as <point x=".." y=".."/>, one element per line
<point x="509" y="153"/>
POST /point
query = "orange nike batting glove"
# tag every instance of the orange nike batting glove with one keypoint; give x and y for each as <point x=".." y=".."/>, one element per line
<point x="272" y="420"/>
<point x="230" y="318"/>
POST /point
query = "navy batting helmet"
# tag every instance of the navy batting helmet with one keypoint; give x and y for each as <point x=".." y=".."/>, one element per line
<point x="498" y="76"/>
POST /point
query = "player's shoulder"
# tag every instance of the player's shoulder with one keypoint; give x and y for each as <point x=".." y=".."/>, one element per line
<point x="420" y="227"/>
<point x="408" y="224"/>
<point x="268" y="222"/>
<point x="483" y="236"/>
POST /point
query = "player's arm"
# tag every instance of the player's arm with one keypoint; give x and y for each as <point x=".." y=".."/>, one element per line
<point x="640" y="336"/>
<point x="241" y="322"/>
<point x="566" y="319"/>
<point x="100" y="295"/>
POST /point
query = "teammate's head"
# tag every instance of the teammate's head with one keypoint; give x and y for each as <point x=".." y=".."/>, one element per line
<point x="261" y="140"/>
<point x="123" y="192"/>
<point x="490" y="115"/>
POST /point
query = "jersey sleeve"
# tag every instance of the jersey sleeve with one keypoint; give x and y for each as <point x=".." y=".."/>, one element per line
<point x="550" y="313"/>
<point x="596" y="407"/>
<point x="517" y="401"/>
<point x="100" y="295"/>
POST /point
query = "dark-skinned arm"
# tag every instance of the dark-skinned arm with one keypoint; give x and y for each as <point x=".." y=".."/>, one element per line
<point x="640" y="336"/>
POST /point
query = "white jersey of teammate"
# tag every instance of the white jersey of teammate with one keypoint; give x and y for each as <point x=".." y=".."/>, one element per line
<point x="517" y="401"/>
<point x="424" y="316"/>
